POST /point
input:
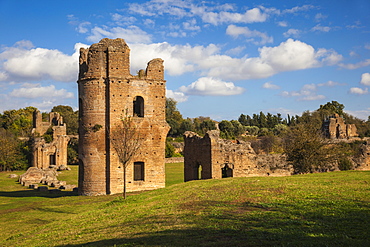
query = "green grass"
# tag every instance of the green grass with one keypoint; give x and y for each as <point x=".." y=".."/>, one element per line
<point x="326" y="209"/>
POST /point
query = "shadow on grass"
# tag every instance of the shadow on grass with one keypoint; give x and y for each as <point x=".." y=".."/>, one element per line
<point x="35" y="193"/>
<point x="226" y="237"/>
<point x="251" y="224"/>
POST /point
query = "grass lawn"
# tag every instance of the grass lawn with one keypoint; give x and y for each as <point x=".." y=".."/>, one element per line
<point x="325" y="209"/>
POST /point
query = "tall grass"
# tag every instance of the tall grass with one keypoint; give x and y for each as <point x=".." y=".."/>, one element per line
<point x="327" y="209"/>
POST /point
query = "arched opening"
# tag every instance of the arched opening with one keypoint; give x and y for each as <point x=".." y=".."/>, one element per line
<point x="227" y="171"/>
<point x="139" y="171"/>
<point x="198" y="172"/>
<point x="139" y="106"/>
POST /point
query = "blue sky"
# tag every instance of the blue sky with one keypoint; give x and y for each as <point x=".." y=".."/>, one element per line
<point x="222" y="58"/>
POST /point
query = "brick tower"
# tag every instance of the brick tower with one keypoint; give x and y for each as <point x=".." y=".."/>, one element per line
<point x="106" y="91"/>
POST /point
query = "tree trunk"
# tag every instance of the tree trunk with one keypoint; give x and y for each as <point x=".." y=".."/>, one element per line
<point x="124" y="182"/>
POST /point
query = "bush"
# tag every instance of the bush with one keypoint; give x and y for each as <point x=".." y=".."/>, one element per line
<point x="345" y="164"/>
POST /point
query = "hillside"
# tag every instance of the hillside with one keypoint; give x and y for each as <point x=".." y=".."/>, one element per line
<point x="327" y="209"/>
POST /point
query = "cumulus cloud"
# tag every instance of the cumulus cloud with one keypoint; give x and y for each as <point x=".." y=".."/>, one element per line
<point x="269" y="85"/>
<point x="178" y="96"/>
<point x="21" y="62"/>
<point x="131" y="34"/>
<point x="365" y="79"/>
<point x="211" y="86"/>
<point x="33" y="91"/>
<point x="236" y="31"/>
<point x="179" y="59"/>
<point x="357" y="90"/>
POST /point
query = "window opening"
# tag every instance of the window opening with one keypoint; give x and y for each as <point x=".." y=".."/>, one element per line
<point x="138" y="171"/>
<point x="139" y="106"/>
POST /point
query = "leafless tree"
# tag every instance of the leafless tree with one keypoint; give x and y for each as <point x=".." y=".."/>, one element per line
<point x="126" y="139"/>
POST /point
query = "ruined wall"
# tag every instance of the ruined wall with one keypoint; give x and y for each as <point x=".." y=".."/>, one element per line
<point x="335" y="128"/>
<point x="212" y="157"/>
<point x="108" y="92"/>
<point x="54" y="153"/>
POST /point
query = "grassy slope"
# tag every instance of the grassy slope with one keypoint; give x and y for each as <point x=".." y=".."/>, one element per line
<point x="328" y="209"/>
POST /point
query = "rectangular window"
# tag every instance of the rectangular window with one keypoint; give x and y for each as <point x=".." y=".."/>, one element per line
<point x="138" y="171"/>
<point x="52" y="159"/>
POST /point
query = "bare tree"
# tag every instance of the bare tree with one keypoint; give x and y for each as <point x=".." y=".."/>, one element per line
<point x="126" y="139"/>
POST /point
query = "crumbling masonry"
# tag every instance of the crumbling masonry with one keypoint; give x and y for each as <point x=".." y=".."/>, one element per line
<point x="53" y="154"/>
<point x="212" y="157"/>
<point x="107" y="91"/>
<point x="335" y="128"/>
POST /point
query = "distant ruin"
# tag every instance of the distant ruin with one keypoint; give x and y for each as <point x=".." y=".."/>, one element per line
<point x="212" y="157"/>
<point x="49" y="154"/>
<point x="107" y="91"/>
<point x="335" y="128"/>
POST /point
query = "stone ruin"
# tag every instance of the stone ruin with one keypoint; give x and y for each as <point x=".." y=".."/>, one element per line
<point x="53" y="154"/>
<point x="107" y="91"/>
<point x="211" y="157"/>
<point x="335" y="128"/>
<point x="47" y="158"/>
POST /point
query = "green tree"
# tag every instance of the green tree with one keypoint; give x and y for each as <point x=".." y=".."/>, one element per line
<point x="173" y="117"/>
<point x="11" y="155"/>
<point x="19" y="122"/>
<point x="307" y="150"/>
<point x="332" y="107"/>
<point x="227" y="129"/>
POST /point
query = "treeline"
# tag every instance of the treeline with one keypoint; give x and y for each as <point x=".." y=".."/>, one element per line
<point x="300" y="138"/>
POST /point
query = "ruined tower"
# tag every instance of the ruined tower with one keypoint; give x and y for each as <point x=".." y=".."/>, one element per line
<point x="107" y="91"/>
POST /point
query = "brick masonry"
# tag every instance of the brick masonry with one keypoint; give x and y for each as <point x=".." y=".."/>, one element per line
<point x="107" y="91"/>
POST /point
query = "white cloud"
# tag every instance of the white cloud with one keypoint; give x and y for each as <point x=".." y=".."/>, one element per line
<point x="178" y="59"/>
<point x="33" y="91"/>
<point x="22" y="63"/>
<point x="320" y="17"/>
<point x="178" y="96"/>
<point x="236" y="51"/>
<point x="306" y="93"/>
<point x="132" y="34"/>
<point x="365" y="79"/>
<point x="211" y="86"/>
<point x="282" y="23"/>
<point x="191" y="25"/>
<point x="292" y="33"/>
<point x="320" y="28"/>
<point x="269" y="85"/>
<point x="329" y="84"/>
<point x="298" y="9"/>
<point x="357" y="90"/>
<point x="209" y="12"/>
<point x="123" y="20"/>
<point x="235" y="31"/>
<point x="356" y="65"/>
<point x="250" y="16"/>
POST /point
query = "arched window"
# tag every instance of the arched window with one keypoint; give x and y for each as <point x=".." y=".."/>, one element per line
<point x="138" y="171"/>
<point x="139" y="106"/>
